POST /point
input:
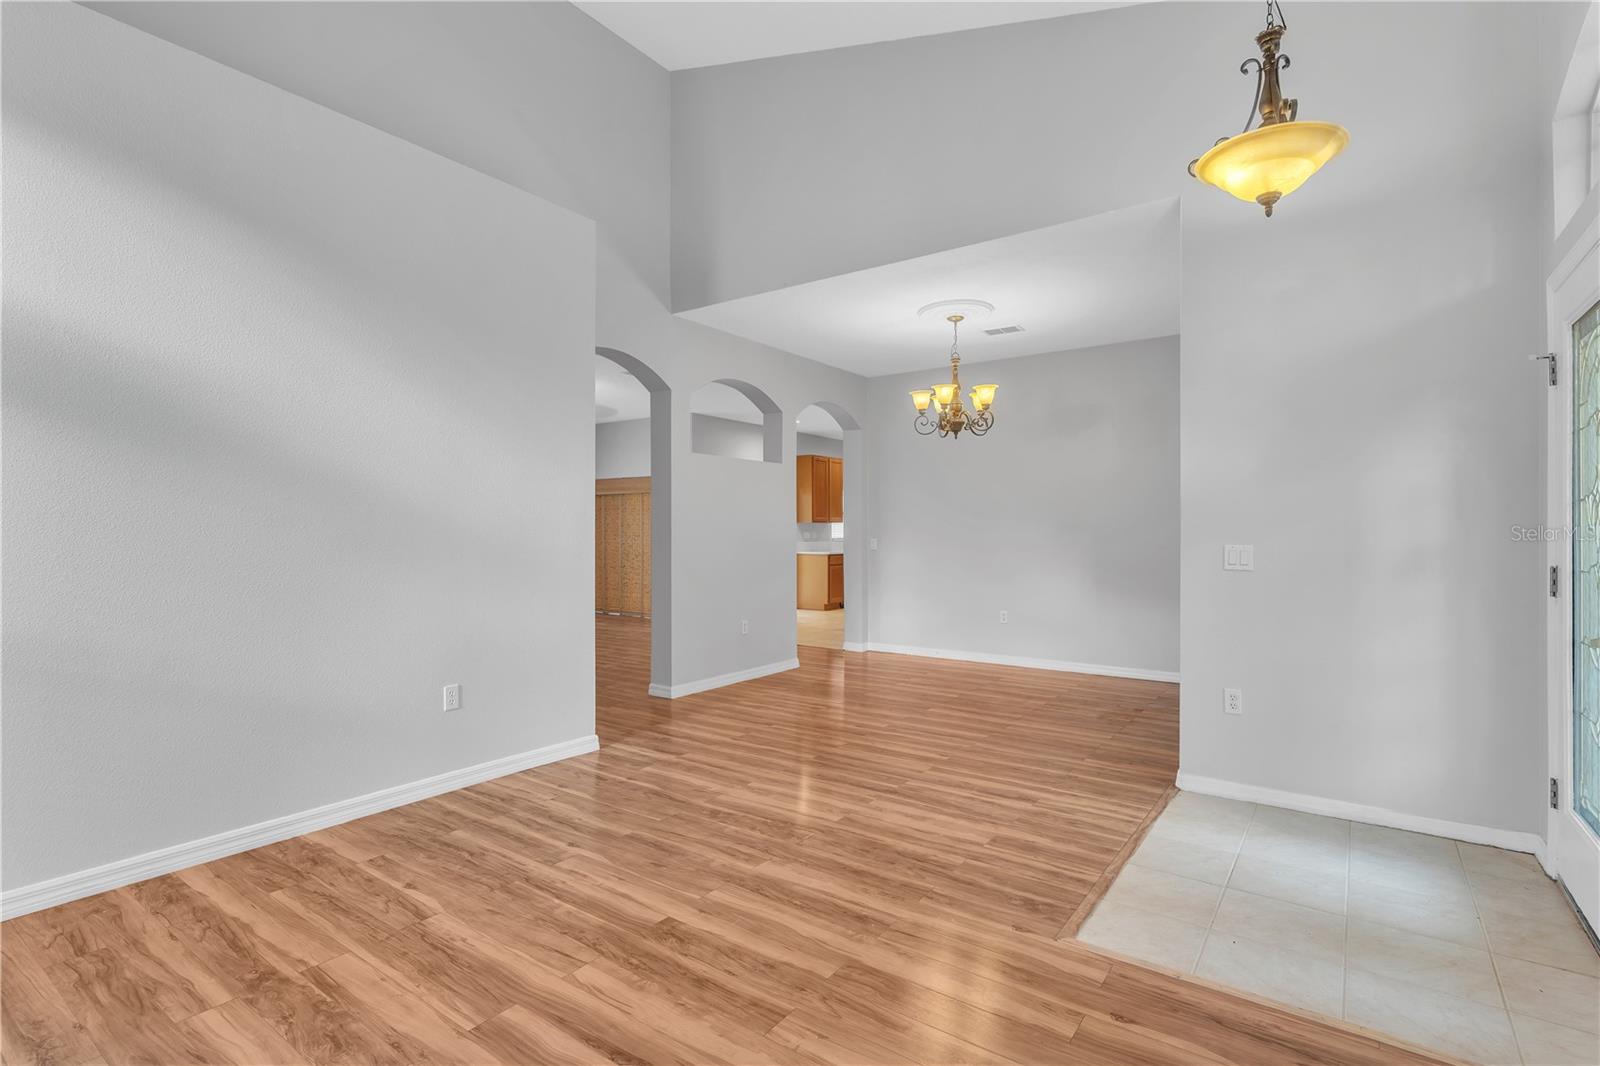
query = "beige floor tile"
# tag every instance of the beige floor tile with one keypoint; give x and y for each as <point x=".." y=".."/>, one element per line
<point x="1286" y="975"/>
<point x="1196" y="828"/>
<point x="1555" y="940"/>
<point x="1474" y="1031"/>
<point x="1214" y="809"/>
<point x="1442" y="917"/>
<point x="1300" y="825"/>
<point x="1553" y="995"/>
<point x="1177" y="897"/>
<point x="1380" y="840"/>
<point x="1309" y="887"/>
<point x="1281" y="924"/>
<point x="1518" y="895"/>
<point x="1330" y="857"/>
<point x="1420" y="960"/>
<point x="1176" y="856"/>
<point x="1144" y="935"/>
<point x="1477" y="858"/>
<point x="1434" y="879"/>
<point x="1547" y="1044"/>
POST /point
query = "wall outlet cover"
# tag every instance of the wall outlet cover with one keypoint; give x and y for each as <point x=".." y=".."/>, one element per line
<point x="452" y="697"/>
<point x="1232" y="701"/>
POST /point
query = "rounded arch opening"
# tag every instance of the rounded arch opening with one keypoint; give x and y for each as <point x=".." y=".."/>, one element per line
<point x="830" y="512"/>
<point x="734" y="419"/>
<point x="633" y="512"/>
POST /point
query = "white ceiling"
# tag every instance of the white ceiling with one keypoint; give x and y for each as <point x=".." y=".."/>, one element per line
<point x="1098" y="280"/>
<point x="683" y="35"/>
<point x="618" y="397"/>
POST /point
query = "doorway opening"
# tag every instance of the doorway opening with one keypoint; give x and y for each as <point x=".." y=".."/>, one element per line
<point x="632" y="534"/>
<point x="819" y="529"/>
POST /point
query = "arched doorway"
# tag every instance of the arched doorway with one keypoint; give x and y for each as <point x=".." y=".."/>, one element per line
<point x="633" y="497"/>
<point x="830" y="565"/>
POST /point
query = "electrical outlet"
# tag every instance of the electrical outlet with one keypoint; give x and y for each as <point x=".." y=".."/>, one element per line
<point x="1232" y="701"/>
<point x="1005" y="616"/>
<point x="872" y="544"/>
<point x="744" y="626"/>
<point x="452" y="697"/>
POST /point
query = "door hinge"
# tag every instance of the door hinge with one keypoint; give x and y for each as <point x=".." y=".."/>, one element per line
<point x="1551" y="356"/>
<point x="1555" y="794"/>
<point x="1555" y="582"/>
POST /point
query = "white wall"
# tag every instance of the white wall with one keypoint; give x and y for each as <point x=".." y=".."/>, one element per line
<point x="544" y="98"/>
<point x="1065" y="515"/>
<point x="268" y="423"/>
<point x="622" y="449"/>
<point x="1356" y="398"/>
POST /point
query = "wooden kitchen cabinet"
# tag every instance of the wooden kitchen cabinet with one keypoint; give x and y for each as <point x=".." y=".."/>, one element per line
<point x="819" y="581"/>
<point x="819" y="488"/>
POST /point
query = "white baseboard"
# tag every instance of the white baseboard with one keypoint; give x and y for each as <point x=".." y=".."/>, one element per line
<point x="1134" y="672"/>
<point x="90" y="882"/>
<point x="1509" y="839"/>
<point x="705" y="684"/>
<point x="854" y="645"/>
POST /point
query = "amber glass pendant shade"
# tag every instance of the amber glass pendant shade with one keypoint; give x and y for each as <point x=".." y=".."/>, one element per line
<point x="1268" y="163"/>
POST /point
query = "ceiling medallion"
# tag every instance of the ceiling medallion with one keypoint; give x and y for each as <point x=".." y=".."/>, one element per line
<point x="1265" y="164"/>
<point x="949" y="416"/>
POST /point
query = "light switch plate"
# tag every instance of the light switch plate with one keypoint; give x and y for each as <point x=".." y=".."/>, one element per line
<point x="1238" y="556"/>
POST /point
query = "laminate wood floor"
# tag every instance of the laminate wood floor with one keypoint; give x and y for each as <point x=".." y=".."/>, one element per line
<point x="867" y="860"/>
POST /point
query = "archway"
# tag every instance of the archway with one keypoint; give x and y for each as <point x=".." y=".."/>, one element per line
<point x="659" y="490"/>
<point x="831" y="593"/>
<point x="736" y="420"/>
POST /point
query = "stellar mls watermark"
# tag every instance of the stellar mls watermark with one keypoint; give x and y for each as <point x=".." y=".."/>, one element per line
<point x="1551" y="534"/>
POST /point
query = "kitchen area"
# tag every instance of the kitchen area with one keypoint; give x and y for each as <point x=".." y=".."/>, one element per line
<point x="819" y="550"/>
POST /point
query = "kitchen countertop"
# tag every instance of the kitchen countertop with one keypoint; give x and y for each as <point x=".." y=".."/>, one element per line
<point x="819" y="551"/>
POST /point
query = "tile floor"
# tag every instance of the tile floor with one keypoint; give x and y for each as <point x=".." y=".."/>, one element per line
<point x="1465" y="949"/>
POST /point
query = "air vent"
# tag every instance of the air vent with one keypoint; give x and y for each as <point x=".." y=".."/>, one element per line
<point x="998" y="330"/>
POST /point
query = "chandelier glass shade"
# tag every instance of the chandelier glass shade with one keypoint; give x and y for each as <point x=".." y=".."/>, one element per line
<point x="1265" y="164"/>
<point x="939" y="407"/>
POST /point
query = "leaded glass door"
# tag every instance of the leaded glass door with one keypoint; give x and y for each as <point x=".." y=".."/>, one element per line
<point x="1585" y="737"/>
<point x="1572" y="837"/>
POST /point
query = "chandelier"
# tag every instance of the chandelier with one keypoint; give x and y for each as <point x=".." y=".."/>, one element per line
<point x="949" y="416"/>
<point x="1269" y="162"/>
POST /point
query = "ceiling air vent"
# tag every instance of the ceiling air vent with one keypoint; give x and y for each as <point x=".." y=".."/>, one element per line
<point x="1000" y="330"/>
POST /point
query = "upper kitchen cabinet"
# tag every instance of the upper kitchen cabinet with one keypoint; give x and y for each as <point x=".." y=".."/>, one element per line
<point x="819" y="488"/>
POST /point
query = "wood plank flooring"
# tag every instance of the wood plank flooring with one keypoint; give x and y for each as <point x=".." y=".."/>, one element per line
<point x="867" y="860"/>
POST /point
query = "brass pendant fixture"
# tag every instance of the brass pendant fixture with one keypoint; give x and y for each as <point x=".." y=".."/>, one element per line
<point x="1265" y="164"/>
<point x="949" y="416"/>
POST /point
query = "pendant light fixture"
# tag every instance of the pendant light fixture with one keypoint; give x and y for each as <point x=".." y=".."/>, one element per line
<point x="1265" y="164"/>
<point x="950" y="417"/>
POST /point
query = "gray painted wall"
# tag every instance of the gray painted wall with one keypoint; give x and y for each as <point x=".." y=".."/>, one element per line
<point x="542" y="97"/>
<point x="246" y="498"/>
<point x="811" y="444"/>
<point x="622" y="449"/>
<point x="1064" y="515"/>
<point x="1356" y="401"/>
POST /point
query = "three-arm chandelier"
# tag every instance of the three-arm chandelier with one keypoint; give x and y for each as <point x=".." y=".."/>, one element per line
<point x="1269" y="162"/>
<point x="950" y="417"/>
